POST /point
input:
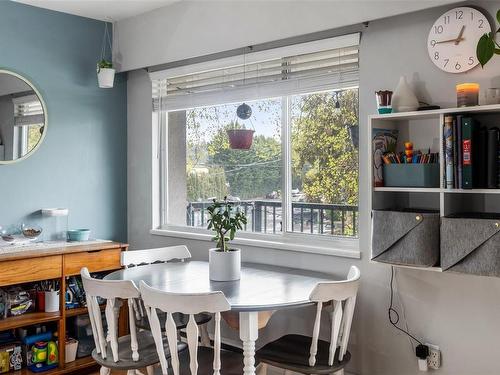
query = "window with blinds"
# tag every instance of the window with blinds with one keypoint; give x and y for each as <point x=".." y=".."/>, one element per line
<point x="270" y="77"/>
<point x="28" y="110"/>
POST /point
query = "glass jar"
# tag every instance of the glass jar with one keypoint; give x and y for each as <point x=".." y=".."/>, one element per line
<point x="55" y="224"/>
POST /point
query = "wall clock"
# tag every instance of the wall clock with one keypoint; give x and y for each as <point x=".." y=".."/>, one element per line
<point x="453" y="39"/>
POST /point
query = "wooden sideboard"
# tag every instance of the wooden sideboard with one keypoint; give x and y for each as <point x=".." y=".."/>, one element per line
<point x="36" y="264"/>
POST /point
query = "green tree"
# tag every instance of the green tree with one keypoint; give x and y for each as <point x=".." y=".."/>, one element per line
<point x="250" y="173"/>
<point x="324" y="161"/>
<point x="207" y="183"/>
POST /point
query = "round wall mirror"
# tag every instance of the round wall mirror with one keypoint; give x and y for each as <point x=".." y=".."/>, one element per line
<point x="23" y="118"/>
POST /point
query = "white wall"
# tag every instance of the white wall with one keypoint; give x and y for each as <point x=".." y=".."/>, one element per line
<point x="460" y="313"/>
<point x="195" y="28"/>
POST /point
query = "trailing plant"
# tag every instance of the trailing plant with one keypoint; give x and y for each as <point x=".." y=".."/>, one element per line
<point x="487" y="46"/>
<point x="104" y="64"/>
<point x="224" y="220"/>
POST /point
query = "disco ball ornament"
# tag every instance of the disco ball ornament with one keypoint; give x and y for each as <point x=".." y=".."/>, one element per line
<point x="244" y="111"/>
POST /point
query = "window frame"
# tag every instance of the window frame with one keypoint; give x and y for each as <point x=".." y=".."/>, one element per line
<point x="286" y="240"/>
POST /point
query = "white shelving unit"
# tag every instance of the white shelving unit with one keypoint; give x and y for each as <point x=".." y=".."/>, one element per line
<point x="424" y="129"/>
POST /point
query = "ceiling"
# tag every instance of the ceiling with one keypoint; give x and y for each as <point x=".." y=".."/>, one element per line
<point x="104" y="10"/>
<point x="116" y="10"/>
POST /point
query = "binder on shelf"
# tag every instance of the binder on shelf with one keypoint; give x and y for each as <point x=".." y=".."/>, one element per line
<point x="481" y="158"/>
<point x="455" y="154"/>
<point x="459" y="151"/>
<point x="492" y="158"/>
<point x="469" y="135"/>
<point x="448" y="150"/>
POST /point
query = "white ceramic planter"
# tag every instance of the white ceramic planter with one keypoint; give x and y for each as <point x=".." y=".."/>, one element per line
<point x="105" y="77"/>
<point x="403" y="99"/>
<point x="224" y="265"/>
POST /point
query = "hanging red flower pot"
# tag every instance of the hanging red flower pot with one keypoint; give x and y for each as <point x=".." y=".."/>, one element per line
<point x="240" y="139"/>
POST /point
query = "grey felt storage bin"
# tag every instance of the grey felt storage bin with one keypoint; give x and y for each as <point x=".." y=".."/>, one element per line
<point x="411" y="175"/>
<point x="470" y="243"/>
<point x="409" y="237"/>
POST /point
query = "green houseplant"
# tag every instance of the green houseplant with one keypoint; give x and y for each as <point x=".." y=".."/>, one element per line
<point x="225" y="220"/>
<point x="487" y="46"/>
<point x="105" y="71"/>
<point x="105" y="74"/>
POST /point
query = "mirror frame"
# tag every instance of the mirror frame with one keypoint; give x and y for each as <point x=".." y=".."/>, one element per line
<point x="44" y="107"/>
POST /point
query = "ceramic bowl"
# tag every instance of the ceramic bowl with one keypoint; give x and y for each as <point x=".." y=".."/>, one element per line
<point x="78" y="235"/>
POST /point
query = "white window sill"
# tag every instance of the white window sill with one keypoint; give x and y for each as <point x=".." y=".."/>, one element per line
<point x="347" y="248"/>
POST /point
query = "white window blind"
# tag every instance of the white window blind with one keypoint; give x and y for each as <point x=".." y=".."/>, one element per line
<point x="327" y="63"/>
<point x="28" y="110"/>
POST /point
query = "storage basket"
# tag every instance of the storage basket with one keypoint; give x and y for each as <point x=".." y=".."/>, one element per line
<point x="411" y="175"/>
<point x="409" y="237"/>
<point x="470" y="244"/>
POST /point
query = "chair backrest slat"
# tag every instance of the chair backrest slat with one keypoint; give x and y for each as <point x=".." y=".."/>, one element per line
<point x="336" y="292"/>
<point x="190" y="304"/>
<point x="154" y="322"/>
<point x="148" y="256"/>
<point x="112" y="292"/>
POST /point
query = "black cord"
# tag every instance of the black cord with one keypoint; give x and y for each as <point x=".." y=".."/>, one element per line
<point x="393" y="313"/>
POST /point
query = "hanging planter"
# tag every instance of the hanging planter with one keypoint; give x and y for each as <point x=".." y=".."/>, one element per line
<point x="105" y="71"/>
<point x="105" y="74"/>
<point x="240" y="139"/>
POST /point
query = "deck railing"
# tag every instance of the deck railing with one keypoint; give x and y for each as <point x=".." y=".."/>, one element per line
<point x="265" y="216"/>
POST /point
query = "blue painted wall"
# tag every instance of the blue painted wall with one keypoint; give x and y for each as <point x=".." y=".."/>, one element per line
<point x="81" y="164"/>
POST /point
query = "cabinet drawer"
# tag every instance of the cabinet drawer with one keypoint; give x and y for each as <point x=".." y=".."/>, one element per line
<point x="95" y="261"/>
<point x="28" y="270"/>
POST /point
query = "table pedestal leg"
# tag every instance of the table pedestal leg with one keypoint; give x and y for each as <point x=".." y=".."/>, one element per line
<point x="249" y="331"/>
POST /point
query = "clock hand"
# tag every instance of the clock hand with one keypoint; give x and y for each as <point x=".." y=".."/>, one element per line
<point x="449" y="40"/>
<point x="459" y="38"/>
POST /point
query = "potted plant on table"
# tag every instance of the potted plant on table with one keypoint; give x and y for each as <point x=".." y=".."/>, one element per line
<point x="105" y="74"/>
<point x="225" y="220"/>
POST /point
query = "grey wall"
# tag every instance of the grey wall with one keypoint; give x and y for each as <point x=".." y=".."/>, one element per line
<point x="82" y="163"/>
<point x="197" y="28"/>
<point x="459" y="313"/>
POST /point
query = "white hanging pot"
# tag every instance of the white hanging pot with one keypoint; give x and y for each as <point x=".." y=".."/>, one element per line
<point x="224" y="265"/>
<point x="105" y="77"/>
<point x="403" y="99"/>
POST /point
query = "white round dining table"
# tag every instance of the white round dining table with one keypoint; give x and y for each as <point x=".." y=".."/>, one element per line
<point x="261" y="288"/>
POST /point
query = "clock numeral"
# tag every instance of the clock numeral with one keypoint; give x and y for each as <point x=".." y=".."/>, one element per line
<point x="446" y="61"/>
<point x="472" y="16"/>
<point x="433" y="43"/>
<point x="438" y="29"/>
<point x="436" y="55"/>
<point x="459" y="14"/>
<point x="481" y="23"/>
<point x="458" y="66"/>
<point x="471" y="60"/>
<point x="446" y="20"/>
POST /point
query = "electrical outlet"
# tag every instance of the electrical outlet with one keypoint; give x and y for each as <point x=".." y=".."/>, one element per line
<point x="434" y="358"/>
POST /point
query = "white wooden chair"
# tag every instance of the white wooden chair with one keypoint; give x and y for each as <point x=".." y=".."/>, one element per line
<point x="129" y="352"/>
<point x="198" y="360"/>
<point x="136" y="258"/>
<point x="308" y="355"/>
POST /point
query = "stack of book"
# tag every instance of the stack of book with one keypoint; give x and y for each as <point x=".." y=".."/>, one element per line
<point x="471" y="154"/>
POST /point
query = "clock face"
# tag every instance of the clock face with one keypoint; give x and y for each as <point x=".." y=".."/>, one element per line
<point x="453" y="39"/>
